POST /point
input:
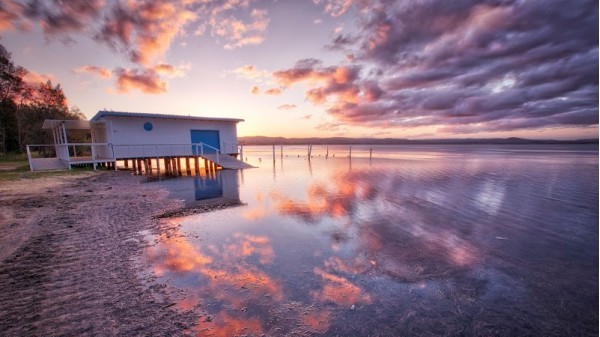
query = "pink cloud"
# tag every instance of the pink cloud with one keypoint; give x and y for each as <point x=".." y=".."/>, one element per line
<point x="94" y="70"/>
<point x="286" y="107"/>
<point x="273" y="91"/>
<point x="144" y="80"/>
<point x="33" y="78"/>
<point x="145" y="29"/>
<point x="10" y="15"/>
<point x="340" y="85"/>
<point x="251" y="72"/>
<point x="170" y="70"/>
<point x="239" y="33"/>
<point x="338" y="7"/>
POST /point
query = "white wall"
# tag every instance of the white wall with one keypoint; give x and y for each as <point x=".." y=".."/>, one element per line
<point x="130" y="131"/>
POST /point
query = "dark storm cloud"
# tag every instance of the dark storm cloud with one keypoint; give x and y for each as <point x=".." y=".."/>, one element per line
<point x="58" y="17"/>
<point x="342" y="42"/>
<point x="471" y="65"/>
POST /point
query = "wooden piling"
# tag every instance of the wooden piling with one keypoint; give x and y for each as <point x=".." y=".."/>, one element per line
<point x="126" y="163"/>
<point x="167" y="166"/>
<point x="174" y="165"/>
<point x="197" y="165"/>
<point x="187" y="163"/>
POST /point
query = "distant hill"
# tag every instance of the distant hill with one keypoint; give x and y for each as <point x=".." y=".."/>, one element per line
<point x="263" y="140"/>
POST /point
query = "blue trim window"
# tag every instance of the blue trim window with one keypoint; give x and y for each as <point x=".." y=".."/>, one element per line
<point x="148" y="126"/>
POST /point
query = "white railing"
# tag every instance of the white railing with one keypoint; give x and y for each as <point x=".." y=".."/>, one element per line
<point x="70" y="152"/>
<point x="93" y="150"/>
<point x="166" y="150"/>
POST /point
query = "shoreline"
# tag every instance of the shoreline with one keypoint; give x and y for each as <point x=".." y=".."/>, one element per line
<point x="69" y="258"/>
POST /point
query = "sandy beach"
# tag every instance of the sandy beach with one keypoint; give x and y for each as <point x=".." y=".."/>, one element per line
<point x="69" y="258"/>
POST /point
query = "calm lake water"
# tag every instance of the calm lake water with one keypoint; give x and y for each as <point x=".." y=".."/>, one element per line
<point x="417" y="240"/>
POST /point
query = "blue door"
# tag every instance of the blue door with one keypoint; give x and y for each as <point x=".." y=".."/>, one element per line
<point x="208" y="137"/>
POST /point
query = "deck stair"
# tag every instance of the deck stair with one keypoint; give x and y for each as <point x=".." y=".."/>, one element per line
<point x="227" y="162"/>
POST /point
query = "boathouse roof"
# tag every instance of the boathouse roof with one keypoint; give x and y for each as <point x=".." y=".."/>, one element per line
<point x="104" y="113"/>
<point x="70" y="124"/>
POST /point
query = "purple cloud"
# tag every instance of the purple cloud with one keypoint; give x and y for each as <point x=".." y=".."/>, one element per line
<point x="465" y="65"/>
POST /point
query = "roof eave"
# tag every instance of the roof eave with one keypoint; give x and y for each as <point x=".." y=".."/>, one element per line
<point x="104" y="114"/>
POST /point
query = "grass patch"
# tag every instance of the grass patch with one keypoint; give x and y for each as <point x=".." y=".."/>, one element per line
<point x="19" y="169"/>
<point x="13" y="157"/>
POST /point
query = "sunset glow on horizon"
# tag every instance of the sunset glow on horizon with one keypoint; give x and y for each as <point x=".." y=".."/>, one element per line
<point x="323" y="68"/>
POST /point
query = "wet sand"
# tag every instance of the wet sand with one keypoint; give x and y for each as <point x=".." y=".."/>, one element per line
<point x="69" y="258"/>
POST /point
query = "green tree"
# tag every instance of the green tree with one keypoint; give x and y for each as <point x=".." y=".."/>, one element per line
<point x="11" y="76"/>
<point x="48" y="101"/>
<point x="24" y="107"/>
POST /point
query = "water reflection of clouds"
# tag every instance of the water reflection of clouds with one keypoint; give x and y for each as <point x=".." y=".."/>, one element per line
<point x="339" y="290"/>
<point x="335" y="200"/>
<point x="227" y="280"/>
<point x="249" y="245"/>
<point x="224" y="273"/>
<point x="403" y="236"/>
<point x="225" y="325"/>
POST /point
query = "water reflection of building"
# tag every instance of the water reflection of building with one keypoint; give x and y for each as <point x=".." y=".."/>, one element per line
<point x="221" y="184"/>
<point x="220" y="187"/>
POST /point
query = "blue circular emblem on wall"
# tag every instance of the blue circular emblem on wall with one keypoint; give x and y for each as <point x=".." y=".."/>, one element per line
<point x="147" y="126"/>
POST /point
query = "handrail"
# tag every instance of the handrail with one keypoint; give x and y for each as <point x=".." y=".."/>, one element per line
<point x="84" y="144"/>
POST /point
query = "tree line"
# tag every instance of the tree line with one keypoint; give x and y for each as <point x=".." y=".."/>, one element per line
<point x="25" y="106"/>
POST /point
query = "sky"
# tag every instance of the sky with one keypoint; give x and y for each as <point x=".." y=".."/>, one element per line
<point x="323" y="68"/>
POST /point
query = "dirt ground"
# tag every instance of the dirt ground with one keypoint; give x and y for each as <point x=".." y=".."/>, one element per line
<point x="69" y="252"/>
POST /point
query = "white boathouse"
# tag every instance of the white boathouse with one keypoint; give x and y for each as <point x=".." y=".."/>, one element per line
<point x="143" y="139"/>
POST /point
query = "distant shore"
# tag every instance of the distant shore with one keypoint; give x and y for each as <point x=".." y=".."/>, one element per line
<point x="69" y="258"/>
<point x="263" y="140"/>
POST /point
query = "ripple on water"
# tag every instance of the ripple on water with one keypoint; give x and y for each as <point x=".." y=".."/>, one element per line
<point x="442" y="241"/>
